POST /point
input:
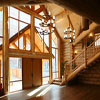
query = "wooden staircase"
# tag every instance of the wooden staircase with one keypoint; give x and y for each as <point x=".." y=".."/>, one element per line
<point x="91" y="74"/>
<point x="89" y="56"/>
<point x="57" y="81"/>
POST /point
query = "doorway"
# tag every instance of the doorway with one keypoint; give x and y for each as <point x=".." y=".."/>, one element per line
<point x="55" y="63"/>
<point x="45" y="71"/>
<point x="32" y="72"/>
<point x="15" y="74"/>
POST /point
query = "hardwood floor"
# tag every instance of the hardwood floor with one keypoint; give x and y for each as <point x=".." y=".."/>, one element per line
<point x="54" y="92"/>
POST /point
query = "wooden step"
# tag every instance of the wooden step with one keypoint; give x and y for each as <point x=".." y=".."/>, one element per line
<point x="90" y="79"/>
<point x="57" y="83"/>
<point x="57" y="80"/>
<point x="90" y="82"/>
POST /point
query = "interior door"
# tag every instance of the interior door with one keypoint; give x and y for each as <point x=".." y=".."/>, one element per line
<point x="37" y="72"/>
<point x="27" y="72"/>
<point x="31" y="72"/>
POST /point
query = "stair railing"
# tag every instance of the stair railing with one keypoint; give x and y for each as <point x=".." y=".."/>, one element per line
<point x="83" y="57"/>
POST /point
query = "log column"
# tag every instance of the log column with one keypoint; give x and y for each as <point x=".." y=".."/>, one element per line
<point x="50" y="59"/>
<point x="5" y="50"/>
<point x="32" y="33"/>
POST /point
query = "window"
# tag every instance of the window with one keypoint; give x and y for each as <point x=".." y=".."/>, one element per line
<point x="43" y="45"/>
<point x="55" y="56"/>
<point x="19" y="29"/>
<point x="1" y="43"/>
<point x="45" y="71"/>
<point x="15" y="78"/>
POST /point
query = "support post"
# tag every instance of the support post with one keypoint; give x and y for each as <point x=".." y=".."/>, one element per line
<point x="50" y="59"/>
<point x="5" y="50"/>
<point x="32" y="33"/>
<point x="59" y="60"/>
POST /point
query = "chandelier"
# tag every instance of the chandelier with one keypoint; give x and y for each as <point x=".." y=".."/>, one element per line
<point x="69" y="33"/>
<point x="46" y="25"/>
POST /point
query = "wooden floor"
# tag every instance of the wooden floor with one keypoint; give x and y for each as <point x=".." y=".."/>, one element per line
<point x="54" y="92"/>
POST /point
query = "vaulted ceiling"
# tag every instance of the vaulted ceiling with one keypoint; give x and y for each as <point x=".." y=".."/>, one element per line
<point x="62" y="18"/>
<point x="87" y="8"/>
<point x="65" y="10"/>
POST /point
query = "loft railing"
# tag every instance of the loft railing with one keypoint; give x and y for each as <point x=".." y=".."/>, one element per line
<point x="83" y="57"/>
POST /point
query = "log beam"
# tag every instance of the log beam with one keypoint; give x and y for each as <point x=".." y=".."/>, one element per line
<point x="92" y="28"/>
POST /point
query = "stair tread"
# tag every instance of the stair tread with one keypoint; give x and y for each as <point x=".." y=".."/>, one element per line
<point x="57" y="83"/>
<point x="57" y="80"/>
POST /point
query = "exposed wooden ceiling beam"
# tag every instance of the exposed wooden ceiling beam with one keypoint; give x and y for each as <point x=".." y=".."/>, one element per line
<point x="70" y="22"/>
<point x="30" y="12"/>
<point x="44" y="9"/>
<point x="21" y="2"/>
<point x="39" y="10"/>
<point x="14" y="45"/>
<point x="87" y="8"/>
<point x="92" y="28"/>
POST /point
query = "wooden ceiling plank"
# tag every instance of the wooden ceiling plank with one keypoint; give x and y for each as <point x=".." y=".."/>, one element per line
<point x="60" y="13"/>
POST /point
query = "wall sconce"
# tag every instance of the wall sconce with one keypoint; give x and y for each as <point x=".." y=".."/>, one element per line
<point x="75" y="52"/>
<point x="91" y="35"/>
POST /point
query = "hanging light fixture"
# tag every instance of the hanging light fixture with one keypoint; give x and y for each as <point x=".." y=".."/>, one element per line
<point x="69" y="33"/>
<point x="49" y="23"/>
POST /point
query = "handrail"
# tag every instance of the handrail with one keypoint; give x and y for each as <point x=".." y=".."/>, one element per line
<point x="76" y="57"/>
<point x="92" y="43"/>
<point x="85" y="57"/>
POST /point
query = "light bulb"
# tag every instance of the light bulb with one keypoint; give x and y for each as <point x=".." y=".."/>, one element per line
<point x="49" y="13"/>
<point x="70" y="29"/>
<point x="73" y="31"/>
<point x="53" y="25"/>
<point x="53" y="17"/>
<point x="70" y="40"/>
<point x="65" y="36"/>
<point x="74" y="37"/>
<point x="66" y="29"/>
<point x="90" y="34"/>
<point x="52" y="21"/>
<point x="75" y="51"/>
<point x="53" y="29"/>
<point x="30" y="6"/>
<point x="70" y="35"/>
<point x="48" y="22"/>
<point x="42" y="20"/>
<point x="48" y="31"/>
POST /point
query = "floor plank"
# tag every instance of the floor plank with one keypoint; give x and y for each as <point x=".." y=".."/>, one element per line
<point x="55" y="92"/>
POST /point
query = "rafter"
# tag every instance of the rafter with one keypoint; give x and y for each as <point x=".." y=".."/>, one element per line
<point x="70" y="22"/>
<point x="39" y="10"/>
<point x="14" y="45"/>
